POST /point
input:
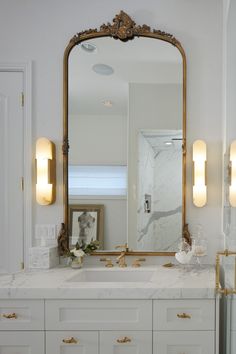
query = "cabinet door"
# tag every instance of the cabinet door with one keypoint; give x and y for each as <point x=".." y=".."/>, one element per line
<point x="22" y="315"/>
<point x="21" y="342"/>
<point x="71" y="342"/>
<point x="180" y="342"/>
<point x="126" y="342"/>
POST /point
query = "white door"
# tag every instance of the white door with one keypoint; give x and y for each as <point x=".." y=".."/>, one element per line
<point x="22" y="342"/>
<point x="11" y="171"/>
<point x="72" y="342"/>
<point x="126" y="342"/>
<point x="184" y="342"/>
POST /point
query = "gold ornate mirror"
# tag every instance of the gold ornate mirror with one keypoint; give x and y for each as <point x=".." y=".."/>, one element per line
<point x="125" y="138"/>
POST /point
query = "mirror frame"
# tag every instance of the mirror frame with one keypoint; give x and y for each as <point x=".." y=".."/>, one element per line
<point x="123" y="28"/>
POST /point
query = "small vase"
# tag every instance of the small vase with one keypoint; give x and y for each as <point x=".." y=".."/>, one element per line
<point x="77" y="263"/>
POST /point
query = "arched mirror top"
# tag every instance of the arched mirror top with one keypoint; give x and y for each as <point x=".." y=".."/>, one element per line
<point x="124" y="29"/>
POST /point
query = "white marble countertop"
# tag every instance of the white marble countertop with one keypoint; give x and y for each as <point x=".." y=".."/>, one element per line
<point x="167" y="283"/>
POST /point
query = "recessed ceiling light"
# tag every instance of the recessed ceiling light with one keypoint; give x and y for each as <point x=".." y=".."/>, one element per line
<point x="89" y="47"/>
<point x="107" y="103"/>
<point x="103" y="69"/>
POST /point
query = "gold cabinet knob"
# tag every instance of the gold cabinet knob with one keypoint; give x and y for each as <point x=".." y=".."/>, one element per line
<point x="124" y="340"/>
<point x="10" y="315"/>
<point x="183" y="315"/>
<point x="70" y="340"/>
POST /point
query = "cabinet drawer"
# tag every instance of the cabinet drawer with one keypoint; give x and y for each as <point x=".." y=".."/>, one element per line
<point x="21" y="342"/>
<point x="72" y="342"/>
<point x="98" y="315"/>
<point x="126" y="342"/>
<point x="184" y="342"/>
<point x="21" y="315"/>
<point x="186" y="315"/>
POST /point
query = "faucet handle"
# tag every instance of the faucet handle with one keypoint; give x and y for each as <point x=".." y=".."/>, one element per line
<point x="136" y="262"/>
<point x="108" y="261"/>
<point x="125" y="247"/>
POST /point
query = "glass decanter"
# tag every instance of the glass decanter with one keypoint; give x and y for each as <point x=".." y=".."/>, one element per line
<point x="199" y="244"/>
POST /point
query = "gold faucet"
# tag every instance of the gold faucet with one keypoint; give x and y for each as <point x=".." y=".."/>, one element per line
<point x="108" y="261"/>
<point x="121" y="258"/>
<point x="136" y="262"/>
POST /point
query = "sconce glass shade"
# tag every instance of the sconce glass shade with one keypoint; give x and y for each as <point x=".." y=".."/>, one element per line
<point x="45" y="172"/>
<point x="199" y="173"/>
<point x="232" y="169"/>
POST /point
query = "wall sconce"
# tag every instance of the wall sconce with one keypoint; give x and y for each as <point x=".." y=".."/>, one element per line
<point x="232" y="174"/>
<point x="199" y="173"/>
<point x="45" y="172"/>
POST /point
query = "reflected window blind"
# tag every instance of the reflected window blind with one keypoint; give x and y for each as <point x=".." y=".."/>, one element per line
<point x="97" y="180"/>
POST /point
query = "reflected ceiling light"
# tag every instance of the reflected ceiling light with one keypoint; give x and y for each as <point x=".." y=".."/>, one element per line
<point x="168" y="143"/>
<point x="199" y="173"/>
<point x="103" y="69"/>
<point x="88" y="47"/>
<point x="107" y="103"/>
<point x="45" y="172"/>
<point x="232" y="174"/>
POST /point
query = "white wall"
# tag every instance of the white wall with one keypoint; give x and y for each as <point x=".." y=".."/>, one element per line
<point x="230" y="119"/>
<point x="97" y="139"/>
<point x="40" y="30"/>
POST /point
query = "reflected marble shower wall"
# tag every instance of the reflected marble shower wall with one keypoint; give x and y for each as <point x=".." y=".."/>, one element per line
<point x="146" y="170"/>
<point x="160" y="175"/>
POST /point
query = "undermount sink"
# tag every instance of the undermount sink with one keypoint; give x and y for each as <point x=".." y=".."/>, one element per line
<point x="112" y="275"/>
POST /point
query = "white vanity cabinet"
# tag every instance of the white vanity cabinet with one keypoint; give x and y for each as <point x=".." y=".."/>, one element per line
<point x="108" y="326"/>
<point x="21" y="342"/>
<point x="22" y="327"/>
<point x="21" y="315"/>
<point x="118" y="326"/>
<point x="184" y="342"/>
<point x="184" y="326"/>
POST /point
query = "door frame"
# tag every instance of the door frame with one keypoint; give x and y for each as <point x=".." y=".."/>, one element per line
<point x="26" y="69"/>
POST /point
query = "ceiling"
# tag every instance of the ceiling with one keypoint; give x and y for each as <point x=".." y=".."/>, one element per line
<point x="142" y="60"/>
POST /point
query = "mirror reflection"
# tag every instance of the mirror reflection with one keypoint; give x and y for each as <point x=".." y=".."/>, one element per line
<point x="125" y="114"/>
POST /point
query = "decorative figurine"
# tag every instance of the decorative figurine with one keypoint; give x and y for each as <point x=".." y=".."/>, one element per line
<point x="62" y="241"/>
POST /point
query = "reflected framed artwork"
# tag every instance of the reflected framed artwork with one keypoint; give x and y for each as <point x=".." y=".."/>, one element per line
<point x="86" y="223"/>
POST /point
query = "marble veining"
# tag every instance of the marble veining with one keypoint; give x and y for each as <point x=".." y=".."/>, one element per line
<point x="167" y="283"/>
<point x="160" y="176"/>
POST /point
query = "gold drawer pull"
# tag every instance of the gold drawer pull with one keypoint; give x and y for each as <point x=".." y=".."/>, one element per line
<point x="124" y="340"/>
<point x="183" y="315"/>
<point x="70" y="340"/>
<point x="10" y="315"/>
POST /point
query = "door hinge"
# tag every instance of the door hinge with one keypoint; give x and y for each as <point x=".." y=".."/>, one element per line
<point x="22" y="99"/>
<point x="22" y="265"/>
<point x="22" y="183"/>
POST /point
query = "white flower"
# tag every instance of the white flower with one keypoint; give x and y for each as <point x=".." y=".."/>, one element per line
<point x="77" y="253"/>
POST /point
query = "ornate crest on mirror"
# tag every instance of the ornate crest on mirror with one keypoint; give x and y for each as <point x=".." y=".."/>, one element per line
<point x="124" y="145"/>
